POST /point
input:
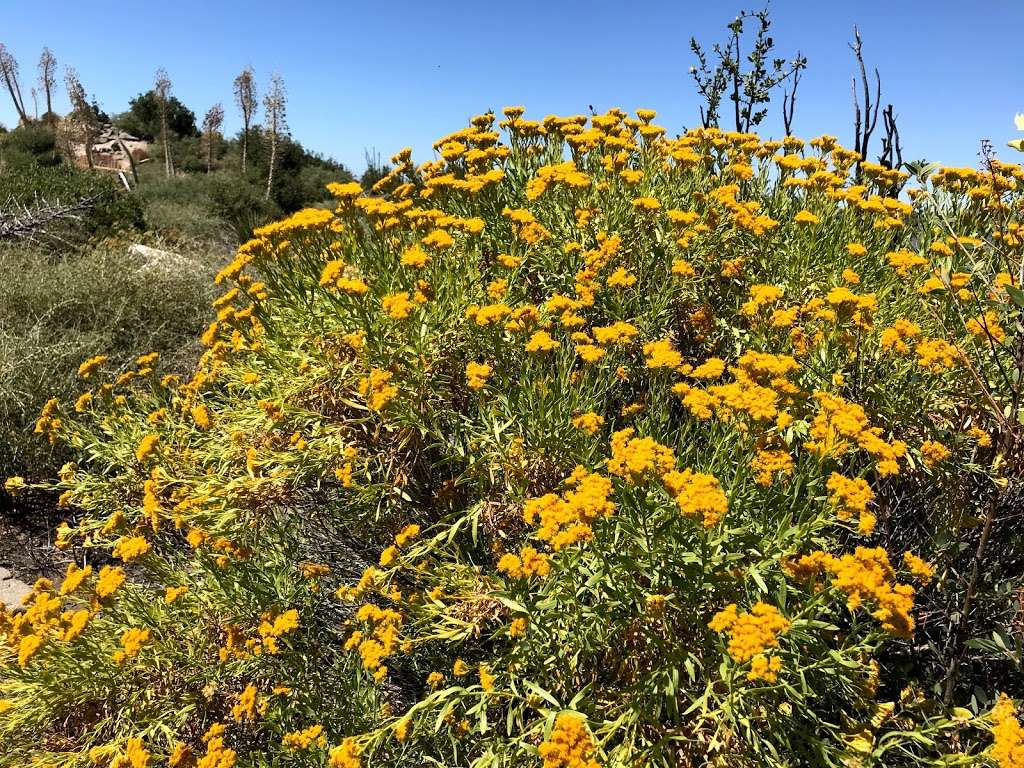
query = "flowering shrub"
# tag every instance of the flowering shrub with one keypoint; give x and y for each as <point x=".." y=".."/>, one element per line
<point x="588" y="448"/>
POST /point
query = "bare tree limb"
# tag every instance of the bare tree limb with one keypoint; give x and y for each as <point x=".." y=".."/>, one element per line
<point x="18" y="220"/>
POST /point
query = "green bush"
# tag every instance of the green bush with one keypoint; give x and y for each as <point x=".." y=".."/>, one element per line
<point x="113" y="210"/>
<point x="30" y="144"/>
<point x="55" y="313"/>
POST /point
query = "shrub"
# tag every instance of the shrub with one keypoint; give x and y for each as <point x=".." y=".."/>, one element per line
<point x="30" y="143"/>
<point x="55" y="312"/>
<point x="113" y="210"/>
<point x="609" y="460"/>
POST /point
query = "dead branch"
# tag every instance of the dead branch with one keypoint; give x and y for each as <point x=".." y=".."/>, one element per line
<point x="18" y="220"/>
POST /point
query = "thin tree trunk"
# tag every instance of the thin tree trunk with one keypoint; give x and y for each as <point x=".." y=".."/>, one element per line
<point x="273" y="158"/>
<point x="168" y="166"/>
<point x="245" y="143"/>
<point x="131" y="160"/>
<point x="22" y="116"/>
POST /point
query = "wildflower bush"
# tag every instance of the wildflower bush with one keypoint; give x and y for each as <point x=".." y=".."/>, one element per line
<point x="577" y="446"/>
<point x="56" y="310"/>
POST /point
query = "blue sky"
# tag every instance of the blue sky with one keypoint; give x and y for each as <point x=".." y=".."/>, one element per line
<point x="385" y="75"/>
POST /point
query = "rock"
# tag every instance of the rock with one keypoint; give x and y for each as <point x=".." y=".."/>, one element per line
<point x="12" y="591"/>
<point x="154" y="258"/>
<point x="4" y="573"/>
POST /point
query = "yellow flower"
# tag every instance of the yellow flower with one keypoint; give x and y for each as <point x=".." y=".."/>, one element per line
<point x="486" y="678"/>
<point x="646" y="204"/>
<point x="130" y="548"/>
<point x="918" y="568"/>
<point x="620" y="278"/>
<point x="750" y="633"/>
<point x="760" y="296"/>
<point x="86" y="369"/>
<point x="477" y="374"/>
<point x="414" y="256"/>
<point x="987" y="326"/>
<point x="1007" y="734"/>
<point x="171" y="594"/>
<point x="27" y="648"/>
<point x="146" y="447"/>
<point x="377" y="389"/>
<point x="570" y="744"/>
<point x="132" y="641"/>
<point x="806" y="217"/>
<point x="110" y="578"/>
<point x="903" y="261"/>
<point x="697" y="495"/>
<point x="529" y="562"/>
<point x="765" y="668"/>
<point x="345" y="755"/>
<point x="541" y="341"/>
<point x="934" y="452"/>
<point x="398" y="306"/>
<point x="201" y="416"/>
<point x="636" y="459"/>
<point x="936" y="355"/>
<point x="306" y="738"/>
<point x="588" y="422"/>
<point x="660" y="354"/>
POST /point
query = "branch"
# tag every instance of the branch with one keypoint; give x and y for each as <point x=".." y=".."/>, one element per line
<point x="18" y="220"/>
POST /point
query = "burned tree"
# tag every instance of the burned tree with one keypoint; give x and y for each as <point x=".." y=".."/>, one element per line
<point x="162" y="92"/>
<point x="81" y="126"/>
<point x="212" y="123"/>
<point x="892" y="149"/>
<point x="274" y="104"/>
<point x="9" y="72"/>
<point x="47" y="80"/>
<point x="247" y="101"/>
<point x="864" y="122"/>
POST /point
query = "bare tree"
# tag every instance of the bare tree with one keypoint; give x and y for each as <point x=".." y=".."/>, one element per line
<point x="48" y="79"/>
<point x="274" y="104"/>
<point x="81" y="124"/>
<point x="35" y="102"/>
<point x="864" y="124"/>
<point x="162" y="92"/>
<point x="248" y="102"/>
<point x="211" y="131"/>
<point x="892" y="148"/>
<point x="9" y="71"/>
<point x="789" y="97"/>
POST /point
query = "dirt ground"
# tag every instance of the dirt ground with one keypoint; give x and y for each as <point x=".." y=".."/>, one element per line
<point x="27" y="526"/>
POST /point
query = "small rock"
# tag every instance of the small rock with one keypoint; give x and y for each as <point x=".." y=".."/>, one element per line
<point x="12" y="591"/>
<point x="4" y="573"/>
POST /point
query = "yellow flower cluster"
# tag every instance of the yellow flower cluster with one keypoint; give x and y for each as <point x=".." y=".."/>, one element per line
<point x="698" y="495"/>
<point x="638" y="459"/>
<point x="306" y="738"/>
<point x="1007" y="734"/>
<point x="851" y="497"/>
<point x="477" y="374"/>
<point x="867" y="578"/>
<point x="569" y="745"/>
<point x="589" y="422"/>
<point x="751" y="632"/>
<point x="661" y="354"/>
<point x="380" y="641"/>
<point x="565" y="520"/>
<point x="529" y="562"/>
<point x="378" y="389"/>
